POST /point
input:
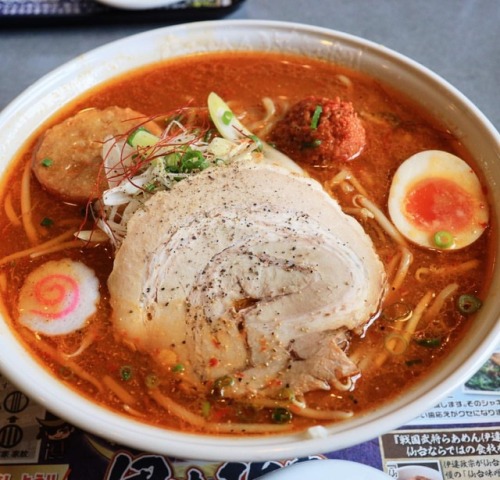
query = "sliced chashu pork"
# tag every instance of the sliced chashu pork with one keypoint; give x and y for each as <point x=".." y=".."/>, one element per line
<point x="248" y="271"/>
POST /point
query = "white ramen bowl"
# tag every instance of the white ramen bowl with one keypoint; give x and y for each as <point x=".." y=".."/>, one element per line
<point x="23" y="116"/>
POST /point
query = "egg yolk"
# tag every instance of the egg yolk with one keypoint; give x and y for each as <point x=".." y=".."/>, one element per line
<point x="438" y="203"/>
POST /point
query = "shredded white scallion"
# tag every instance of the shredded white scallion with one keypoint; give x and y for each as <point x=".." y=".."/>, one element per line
<point x="132" y="182"/>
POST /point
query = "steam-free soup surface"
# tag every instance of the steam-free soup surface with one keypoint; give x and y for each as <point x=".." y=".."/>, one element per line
<point x="424" y="310"/>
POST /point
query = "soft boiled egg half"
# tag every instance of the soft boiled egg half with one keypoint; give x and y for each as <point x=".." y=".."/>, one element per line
<point x="436" y="201"/>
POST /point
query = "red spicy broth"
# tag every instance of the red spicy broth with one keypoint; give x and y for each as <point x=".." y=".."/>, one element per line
<point x="395" y="130"/>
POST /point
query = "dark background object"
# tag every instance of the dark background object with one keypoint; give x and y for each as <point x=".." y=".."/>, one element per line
<point x="16" y="13"/>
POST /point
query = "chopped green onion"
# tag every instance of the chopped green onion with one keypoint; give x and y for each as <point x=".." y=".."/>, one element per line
<point x="47" y="162"/>
<point x="221" y="384"/>
<point x="209" y="135"/>
<point x="415" y="361"/>
<point x="142" y="138"/>
<point x="429" y="342"/>
<point x="468" y="304"/>
<point x="150" y="187"/>
<point x="281" y="415"/>
<point x="443" y="239"/>
<point x="178" y="368"/>
<point x="205" y="409"/>
<point x="172" y="162"/>
<point x="257" y="141"/>
<point x="225" y="120"/>
<point x="193" y="160"/>
<point x="189" y="161"/>
<point x="151" y="380"/>
<point x="126" y="373"/>
<point x="227" y="116"/>
<point x="225" y="381"/>
<point x="314" y="144"/>
<point x="315" y="117"/>
<point x="47" y="222"/>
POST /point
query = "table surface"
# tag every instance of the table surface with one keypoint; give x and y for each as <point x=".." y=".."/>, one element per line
<point x="457" y="39"/>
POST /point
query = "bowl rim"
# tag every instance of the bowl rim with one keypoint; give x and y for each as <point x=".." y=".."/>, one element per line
<point x="61" y="400"/>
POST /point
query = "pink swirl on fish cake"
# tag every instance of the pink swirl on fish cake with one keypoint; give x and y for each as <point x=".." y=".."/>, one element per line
<point x="53" y="291"/>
